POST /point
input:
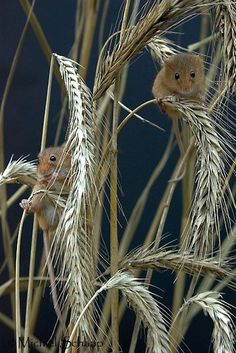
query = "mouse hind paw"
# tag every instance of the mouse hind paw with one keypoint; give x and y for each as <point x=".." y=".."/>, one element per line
<point x="25" y="204"/>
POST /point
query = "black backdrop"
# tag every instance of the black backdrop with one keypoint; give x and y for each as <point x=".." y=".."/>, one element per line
<point x="140" y="146"/>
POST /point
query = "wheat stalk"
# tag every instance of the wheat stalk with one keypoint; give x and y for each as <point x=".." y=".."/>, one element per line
<point x="210" y="176"/>
<point x="73" y="240"/>
<point x="19" y="171"/>
<point x="226" y="24"/>
<point x="211" y="303"/>
<point x="160" y="16"/>
<point x="174" y="260"/>
<point x="143" y="304"/>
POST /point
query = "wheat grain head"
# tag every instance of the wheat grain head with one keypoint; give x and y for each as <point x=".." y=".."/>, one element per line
<point x="73" y="243"/>
<point x="223" y="332"/>
<point x="174" y="260"/>
<point x="144" y="305"/>
<point x="159" y="17"/>
<point x="210" y="177"/>
<point x="226" y="24"/>
<point x="19" y="171"/>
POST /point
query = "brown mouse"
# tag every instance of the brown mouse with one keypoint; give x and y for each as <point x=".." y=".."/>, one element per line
<point x="52" y="174"/>
<point x="182" y="76"/>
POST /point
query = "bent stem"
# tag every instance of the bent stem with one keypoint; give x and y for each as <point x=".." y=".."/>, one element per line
<point x="30" y="283"/>
<point x="113" y="226"/>
<point x="17" y="285"/>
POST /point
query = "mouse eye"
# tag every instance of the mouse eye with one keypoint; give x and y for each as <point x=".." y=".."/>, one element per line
<point x="177" y="76"/>
<point x="53" y="158"/>
<point x="192" y="74"/>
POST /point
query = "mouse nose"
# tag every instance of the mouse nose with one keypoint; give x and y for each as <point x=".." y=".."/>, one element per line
<point x="186" y="86"/>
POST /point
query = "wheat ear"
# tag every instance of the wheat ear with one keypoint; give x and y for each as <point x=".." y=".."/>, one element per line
<point x="19" y="171"/>
<point x="210" y="177"/>
<point x="226" y="24"/>
<point x="144" y="305"/>
<point x="159" y="17"/>
<point x="73" y="241"/>
<point x="174" y="260"/>
<point x="161" y="48"/>
<point x="222" y="335"/>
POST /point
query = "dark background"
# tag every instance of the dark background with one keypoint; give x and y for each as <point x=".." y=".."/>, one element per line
<point x="140" y="146"/>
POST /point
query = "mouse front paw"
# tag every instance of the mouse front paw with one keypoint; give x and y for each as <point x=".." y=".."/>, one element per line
<point x="25" y="204"/>
<point x="161" y="105"/>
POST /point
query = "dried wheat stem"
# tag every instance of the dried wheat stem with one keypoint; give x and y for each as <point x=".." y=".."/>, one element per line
<point x="47" y="105"/>
<point x="159" y="218"/>
<point x="138" y="209"/>
<point x="11" y="201"/>
<point x="30" y="300"/>
<point x="90" y="25"/>
<point x="119" y="128"/>
<point x="211" y="303"/>
<point x="204" y="29"/>
<point x="210" y="177"/>
<point x="203" y="42"/>
<point x="38" y="294"/>
<point x="164" y="211"/>
<point x="30" y="283"/>
<point x="39" y="35"/>
<point x="9" y="286"/>
<point x="114" y="244"/>
<point x="17" y="285"/>
<point x="73" y="242"/>
<point x="113" y="222"/>
<point x="3" y="196"/>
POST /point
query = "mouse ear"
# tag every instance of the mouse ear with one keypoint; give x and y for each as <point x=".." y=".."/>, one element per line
<point x="198" y="56"/>
<point x="170" y="60"/>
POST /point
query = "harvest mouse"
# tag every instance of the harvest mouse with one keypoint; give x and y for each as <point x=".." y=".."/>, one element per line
<point x="53" y="172"/>
<point x="182" y="76"/>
